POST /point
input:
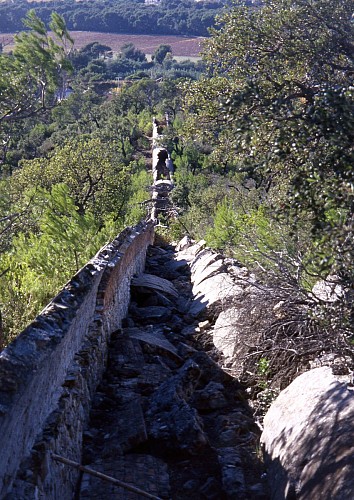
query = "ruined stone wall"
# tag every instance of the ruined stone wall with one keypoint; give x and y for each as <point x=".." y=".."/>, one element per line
<point x="49" y="373"/>
<point x="162" y="170"/>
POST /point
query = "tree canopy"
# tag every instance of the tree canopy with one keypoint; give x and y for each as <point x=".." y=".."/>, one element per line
<point x="184" y="17"/>
<point x="33" y="73"/>
<point x="277" y="105"/>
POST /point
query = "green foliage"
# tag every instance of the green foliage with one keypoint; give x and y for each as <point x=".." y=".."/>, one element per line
<point x="31" y="75"/>
<point x="129" y="51"/>
<point x="137" y="208"/>
<point x="96" y="178"/>
<point x="40" y="264"/>
<point x="195" y="198"/>
<point x="244" y="234"/>
<point x="166" y="18"/>
<point x="161" y="53"/>
<point x="77" y="168"/>
<point x="277" y="105"/>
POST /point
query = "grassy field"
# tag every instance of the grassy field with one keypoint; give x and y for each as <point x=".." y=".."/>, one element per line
<point x="183" y="47"/>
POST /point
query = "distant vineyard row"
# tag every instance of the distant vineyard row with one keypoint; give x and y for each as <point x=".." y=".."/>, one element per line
<point x="181" y="46"/>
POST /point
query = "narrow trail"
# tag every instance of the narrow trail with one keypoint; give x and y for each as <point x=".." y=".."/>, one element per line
<point x="166" y="418"/>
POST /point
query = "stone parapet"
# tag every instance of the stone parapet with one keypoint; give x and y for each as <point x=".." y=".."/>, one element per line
<point x="49" y="373"/>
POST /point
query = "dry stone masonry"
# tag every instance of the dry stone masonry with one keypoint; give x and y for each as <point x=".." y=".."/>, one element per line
<point x="125" y="386"/>
<point x="162" y="170"/>
<point x="123" y="373"/>
<point x="48" y="375"/>
<point x="166" y="417"/>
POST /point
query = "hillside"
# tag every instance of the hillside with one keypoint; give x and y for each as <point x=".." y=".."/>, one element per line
<point x="166" y="18"/>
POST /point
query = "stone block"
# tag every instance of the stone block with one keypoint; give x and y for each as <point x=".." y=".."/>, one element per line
<point x="226" y="331"/>
<point x="214" y="292"/>
<point x="307" y="438"/>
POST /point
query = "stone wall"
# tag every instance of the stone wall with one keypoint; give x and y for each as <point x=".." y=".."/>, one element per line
<point x="49" y="373"/>
<point x="162" y="170"/>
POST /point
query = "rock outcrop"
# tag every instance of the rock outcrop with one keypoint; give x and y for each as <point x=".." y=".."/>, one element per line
<point x="307" y="438"/>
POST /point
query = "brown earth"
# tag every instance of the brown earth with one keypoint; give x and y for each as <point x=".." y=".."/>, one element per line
<point x="181" y="46"/>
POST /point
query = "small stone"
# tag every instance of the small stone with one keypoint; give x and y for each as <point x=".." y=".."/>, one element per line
<point x="228" y="437"/>
<point x="203" y="325"/>
<point x="191" y="485"/>
<point x="258" y="491"/>
<point x="210" y="489"/>
<point x="211" y="397"/>
<point x="188" y="331"/>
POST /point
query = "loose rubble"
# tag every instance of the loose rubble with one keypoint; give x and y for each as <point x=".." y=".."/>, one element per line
<point x="166" y="418"/>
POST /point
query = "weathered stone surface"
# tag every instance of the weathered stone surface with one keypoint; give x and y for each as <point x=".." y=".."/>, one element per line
<point x="177" y="428"/>
<point x="213" y="292"/>
<point x="213" y="268"/>
<point x="184" y="243"/>
<point x="54" y="366"/>
<point x="225" y="331"/>
<point x="210" y="489"/>
<point x="171" y="420"/>
<point x="155" y="283"/>
<point x="190" y="251"/>
<point x="233" y="478"/>
<point x="211" y="397"/>
<point x="152" y="336"/>
<point x="329" y="290"/>
<point x="130" y="429"/>
<point x="157" y="299"/>
<point x="174" y="267"/>
<point x="146" y="405"/>
<point x="209" y="369"/>
<point x="204" y="258"/>
<point x="147" y="314"/>
<point x="307" y="438"/>
<point x="146" y="472"/>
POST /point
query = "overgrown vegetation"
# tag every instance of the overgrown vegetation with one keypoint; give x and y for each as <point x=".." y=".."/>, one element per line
<point x="73" y="164"/>
<point x="274" y="113"/>
<point x="263" y="150"/>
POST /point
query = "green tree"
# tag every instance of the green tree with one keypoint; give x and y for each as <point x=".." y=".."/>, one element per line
<point x="141" y="95"/>
<point x="161" y="52"/>
<point x="118" y="127"/>
<point x="41" y="262"/>
<point x="31" y="75"/>
<point x="129" y="51"/>
<point x="277" y="105"/>
<point x="92" y="170"/>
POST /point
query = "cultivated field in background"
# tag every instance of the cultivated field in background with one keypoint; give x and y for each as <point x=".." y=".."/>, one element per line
<point x="181" y="46"/>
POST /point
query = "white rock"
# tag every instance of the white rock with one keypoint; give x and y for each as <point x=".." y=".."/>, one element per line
<point x="184" y="243"/>
<point x="328" y="290"/>
<point x="215" y="291"/>
<point x="308" y="441"/>
<point x="225" y="332"/>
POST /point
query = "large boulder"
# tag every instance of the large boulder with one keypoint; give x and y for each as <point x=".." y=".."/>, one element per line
<point x="308" y="440"/>
<point x="227" y="332"/>
<point x="215" y="294"/>
<point x="238" y="329"/>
